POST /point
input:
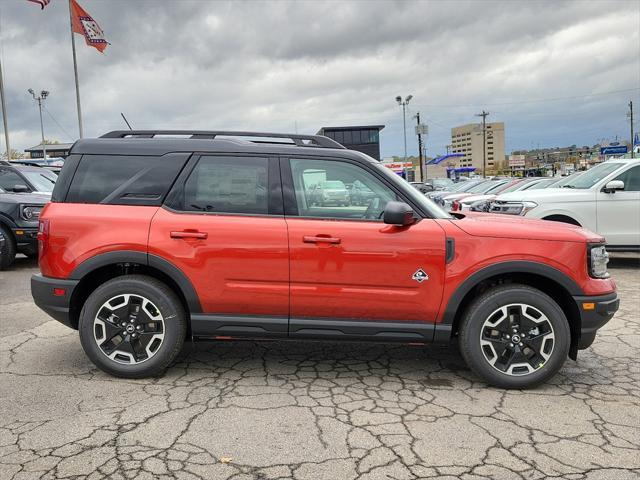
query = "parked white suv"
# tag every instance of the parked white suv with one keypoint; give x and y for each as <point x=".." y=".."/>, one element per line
<point x="604" y="199"/>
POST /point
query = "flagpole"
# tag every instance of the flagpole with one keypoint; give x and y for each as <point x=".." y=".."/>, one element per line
<point x="4" y="115"/>
<point x="75" y="71"/>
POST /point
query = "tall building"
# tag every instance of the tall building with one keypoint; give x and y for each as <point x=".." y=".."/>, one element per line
<point x="467" y="140"/>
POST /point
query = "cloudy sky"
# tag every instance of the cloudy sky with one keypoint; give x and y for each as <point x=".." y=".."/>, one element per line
<point x="557" y="73"/>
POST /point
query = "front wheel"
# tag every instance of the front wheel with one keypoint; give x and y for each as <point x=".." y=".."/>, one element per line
<point x="132" y="326"/>
<point x="514" y="336"/>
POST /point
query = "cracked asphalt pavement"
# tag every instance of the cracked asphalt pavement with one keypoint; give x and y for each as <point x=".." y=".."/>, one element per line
<point x="280" y="410"/>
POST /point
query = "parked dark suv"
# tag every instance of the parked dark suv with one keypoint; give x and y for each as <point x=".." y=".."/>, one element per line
<point x="148" y="241"/>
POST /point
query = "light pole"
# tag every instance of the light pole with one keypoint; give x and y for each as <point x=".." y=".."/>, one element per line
<point x="404" y="104"/>
<point x="484" y="141"/>
<point x="40" y="98"/>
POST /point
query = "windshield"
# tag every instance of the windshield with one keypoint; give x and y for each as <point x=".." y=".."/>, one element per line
<point x="482" y="187"/>
<point x="441" y="182"/>
<point x="516" y="186"/>
<point x="589" y="178"/>
<point x="43" y="181"/>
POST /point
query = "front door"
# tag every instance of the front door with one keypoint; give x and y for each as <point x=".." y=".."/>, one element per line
<point x="346" y="264"/>
<point x="223" y="227"/>
<point x="619" y="211"/>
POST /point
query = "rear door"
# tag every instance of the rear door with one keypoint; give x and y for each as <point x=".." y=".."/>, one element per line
<point x="223" y="226"/>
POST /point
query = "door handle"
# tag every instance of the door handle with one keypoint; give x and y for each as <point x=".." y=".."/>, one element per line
<point x="320" y="239"/>
<point x="189" y="234"/>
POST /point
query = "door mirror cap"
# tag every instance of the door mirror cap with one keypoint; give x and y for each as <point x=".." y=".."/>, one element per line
<point x="20" y="189"/>
<point x="398" y="213"/>
<point x="613" y="185"/>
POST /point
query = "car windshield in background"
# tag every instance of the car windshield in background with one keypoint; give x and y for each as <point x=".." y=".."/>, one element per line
<point x="547" y="182"/>
<point x="589" y="178"/>
<point x="483" y="187"/>
<point x="43" y="180"/>
<point x="516" y="186"/>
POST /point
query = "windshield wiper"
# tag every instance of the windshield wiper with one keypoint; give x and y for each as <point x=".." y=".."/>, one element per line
<point x="567" y="186"/>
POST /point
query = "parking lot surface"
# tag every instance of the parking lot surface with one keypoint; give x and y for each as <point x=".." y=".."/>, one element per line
<point x="246" y="410"/>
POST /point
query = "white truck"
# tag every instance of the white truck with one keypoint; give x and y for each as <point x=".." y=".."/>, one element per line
<point x="604" y="199"/>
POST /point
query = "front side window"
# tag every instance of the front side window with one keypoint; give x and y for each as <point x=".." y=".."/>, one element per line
<point x="335" y="189"/>
<point x="228" y="185"/>
<point x="631" y="179"/>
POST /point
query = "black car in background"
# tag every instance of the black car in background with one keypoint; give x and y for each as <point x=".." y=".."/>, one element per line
<point x="19" y="213"/>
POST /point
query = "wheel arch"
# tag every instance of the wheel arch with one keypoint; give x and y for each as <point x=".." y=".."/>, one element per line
<point x="543" y="277"/>
<point x="94" y="272"/>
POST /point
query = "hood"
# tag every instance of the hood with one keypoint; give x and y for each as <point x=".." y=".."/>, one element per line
<point x="31" y="198"/>
<point x="546" y="194"/>
<point x="509" y="226"/>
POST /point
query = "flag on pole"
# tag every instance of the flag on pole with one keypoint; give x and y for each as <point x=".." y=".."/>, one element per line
<point x="42" y="3"/>
<point x="85" y="25"/>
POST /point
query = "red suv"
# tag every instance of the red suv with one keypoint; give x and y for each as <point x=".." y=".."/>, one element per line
<point x="153" y="237"/>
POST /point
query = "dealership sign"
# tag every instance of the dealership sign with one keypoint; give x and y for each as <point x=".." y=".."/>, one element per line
<point x="516" y="161"/>
<point x="613" y="150"/>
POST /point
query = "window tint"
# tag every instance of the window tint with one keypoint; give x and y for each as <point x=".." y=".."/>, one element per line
<point x="228" y="185"/>
<point x="334" y="189"/>
<point x="124" y="180"/>
<point x="631" y="179"/>
<point x="9" y="178"/>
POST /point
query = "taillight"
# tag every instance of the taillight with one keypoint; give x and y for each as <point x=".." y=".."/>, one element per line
<point x="455" y="206"/>
<point x="43" y="236"/>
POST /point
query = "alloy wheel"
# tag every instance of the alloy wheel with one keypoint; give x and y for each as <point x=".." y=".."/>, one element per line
<point x="517" y="339"/>
<point x="128" y="329"/>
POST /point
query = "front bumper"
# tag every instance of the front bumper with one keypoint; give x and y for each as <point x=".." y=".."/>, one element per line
<point x="595" y="312"/>
<point x="53" y="295"/>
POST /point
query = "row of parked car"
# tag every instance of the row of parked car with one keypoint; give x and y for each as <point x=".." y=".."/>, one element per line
<point x="604" y="199"/>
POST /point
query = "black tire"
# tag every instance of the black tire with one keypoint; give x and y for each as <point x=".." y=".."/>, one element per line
<point x="163" y="299"/>
<point x="8" y="255"/>
<point x="553" y="333"/>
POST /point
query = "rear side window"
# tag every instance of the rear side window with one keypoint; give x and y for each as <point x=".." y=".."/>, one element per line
<point x="228" y="185"/>
<point x="125" y="180"/>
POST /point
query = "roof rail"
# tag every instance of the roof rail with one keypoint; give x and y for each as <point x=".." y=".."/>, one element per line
<point x="299" y="140"/>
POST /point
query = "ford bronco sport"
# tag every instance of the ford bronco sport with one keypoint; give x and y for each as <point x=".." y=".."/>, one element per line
<point x="152" y="237"/>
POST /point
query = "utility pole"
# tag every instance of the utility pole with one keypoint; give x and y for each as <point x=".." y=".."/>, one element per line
<point x="40" y="98"/>
<point x="404" y="104"/>
<point x="419" y="148"/>
<point x="631" y="124"/>
<point x="4" y="116"/>
<point x="484" y="142"/>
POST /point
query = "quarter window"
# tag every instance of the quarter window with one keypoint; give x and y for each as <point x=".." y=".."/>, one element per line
<point x="338" y="190"/>
<point x="228" y="185"/>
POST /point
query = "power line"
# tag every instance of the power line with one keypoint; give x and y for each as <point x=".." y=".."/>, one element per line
<point x="521" y="102"/>
<point x="56" y="122"/>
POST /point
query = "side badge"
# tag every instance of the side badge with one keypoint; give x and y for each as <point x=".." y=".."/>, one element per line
<point x="420" y="276"/>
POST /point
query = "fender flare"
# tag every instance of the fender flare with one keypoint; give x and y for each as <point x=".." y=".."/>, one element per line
<point x="500" y="268"/>
<point x="142" y="258"/>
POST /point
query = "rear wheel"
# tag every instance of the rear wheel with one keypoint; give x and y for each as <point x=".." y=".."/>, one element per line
<point x="132" y="326"/>
<point x="8" y="254"/>
<point x="515" y="336"/>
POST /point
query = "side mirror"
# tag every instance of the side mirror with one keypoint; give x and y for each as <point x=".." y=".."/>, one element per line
<point x="613" y="185"/>
<point x="20" y="189"/>
<point x="398" y="213"/>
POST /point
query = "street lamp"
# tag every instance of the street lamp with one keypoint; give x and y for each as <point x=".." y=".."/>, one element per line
<point x="40" y="98"/>
<point x="404" y="104"/>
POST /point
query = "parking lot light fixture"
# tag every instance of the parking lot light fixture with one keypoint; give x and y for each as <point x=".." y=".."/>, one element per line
<point x="404" y="104"/>
<point x="40" y="98"/>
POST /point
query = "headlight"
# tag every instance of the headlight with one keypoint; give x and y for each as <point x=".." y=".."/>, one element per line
<point x="30" y="212"/>
<point x="512" y="208"/>
<point x="598" y="258"/>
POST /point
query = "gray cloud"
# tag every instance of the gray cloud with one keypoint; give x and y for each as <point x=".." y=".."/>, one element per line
<point x="274" y="65"/>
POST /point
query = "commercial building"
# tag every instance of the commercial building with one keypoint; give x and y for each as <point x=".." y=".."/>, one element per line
<point x="53" y="150"/>
<point x="467" y="140"/>
<point x="365" y="138"/>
